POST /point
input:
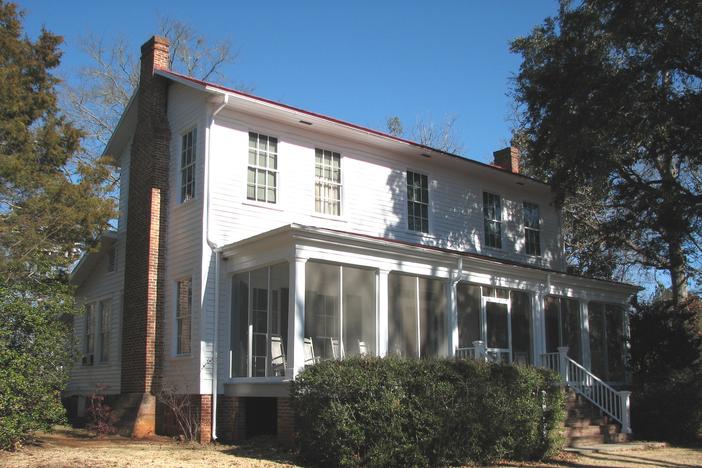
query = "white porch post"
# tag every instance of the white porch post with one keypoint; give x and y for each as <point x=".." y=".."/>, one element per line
<point x="296" y="318"/>
<point x="624" y="397"/>
<point x="383" y="292"/>
<point x="537" y="327"/>
<point x="585" y="335"/>
<point x="452" y="318"/>
<point x="563" y="362"/>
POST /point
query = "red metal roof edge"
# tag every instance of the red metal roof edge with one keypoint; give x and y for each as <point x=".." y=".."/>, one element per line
<point x="346" y="124"/>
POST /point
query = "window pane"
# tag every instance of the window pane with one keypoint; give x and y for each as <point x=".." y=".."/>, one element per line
<point x="598" y="349"/>
<point x="497" y="331"/>
<point x="359" y="311"/>
<point x="614" y="319"/>
<point x="520" y="310"/>
<point x="402" y="320"/>
<point x="468" y="297"/>
<point x="322" y="284"/>
<point x="552" y="313"/>
<point x="183" y="316"/>
<point x="259" y="321"/>
<point x="432" y="314"/>
<point x="240" y="321"/>
<point x="280" y="294"/>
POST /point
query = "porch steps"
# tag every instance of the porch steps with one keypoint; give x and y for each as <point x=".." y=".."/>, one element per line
<point x="586" y="425"/>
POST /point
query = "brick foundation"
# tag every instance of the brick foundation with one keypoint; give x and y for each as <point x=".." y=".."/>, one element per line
<point x="231" y="419"/>
<point x="286" y="423"/>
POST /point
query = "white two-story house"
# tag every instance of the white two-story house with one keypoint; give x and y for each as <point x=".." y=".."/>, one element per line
<point x="255" y="238"/>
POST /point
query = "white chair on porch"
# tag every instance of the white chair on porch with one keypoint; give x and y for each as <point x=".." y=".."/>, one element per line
<point x="309" y="356"/>
<point x="336" y="348"/>
<point x="278" y="363"/>
<point x="362" y="348"/>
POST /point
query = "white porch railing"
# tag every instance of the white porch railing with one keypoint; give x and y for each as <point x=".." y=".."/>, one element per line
<point x="480" y="352"/>
<point x="612" y="402"/>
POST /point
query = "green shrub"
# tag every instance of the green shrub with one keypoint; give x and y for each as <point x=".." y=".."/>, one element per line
<point x="35" y="354"/>
<point x="398" y="412"/>
<point x="666" y="363"/>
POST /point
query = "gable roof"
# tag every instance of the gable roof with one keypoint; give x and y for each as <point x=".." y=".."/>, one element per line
<point x="214" y="88"/>
<point x="91" y="258"/>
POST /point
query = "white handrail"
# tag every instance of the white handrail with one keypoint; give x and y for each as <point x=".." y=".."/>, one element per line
<point x="610" y="401"/>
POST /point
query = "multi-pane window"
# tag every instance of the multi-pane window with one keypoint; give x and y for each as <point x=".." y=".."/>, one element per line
<point x="532" y="237"/>
<point x="183" y="316"/>
<point x="187" y="165"/>
<point x="417" y="202"/>
<point x="105" y="311"/>
<point x="89" y="334"/>
<point x="262" y="173"/>
<point x="327" y="186"/>
<point x="492" y="212"/>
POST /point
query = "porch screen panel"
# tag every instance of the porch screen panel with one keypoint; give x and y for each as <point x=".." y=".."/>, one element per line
<point x="259" y="321"/>
<point x="598" y="348"/>
<point x="322" y="293"/>
<point x="468" y="298"/>
<point x="521" y="327"/>
<point x="358" y="310"/>
<point x="432" y="315"/>
<point x="402" y="315"/>
<point x="570" y="320"/>
<point x="552" y="311"/>
<point x="614" y="322"/>
<point x="497" y="325"/>
<point x="239" y="325"/>
<point x="280" y="292"/>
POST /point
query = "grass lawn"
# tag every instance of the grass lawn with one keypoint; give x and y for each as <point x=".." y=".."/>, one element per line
<point x="66" y="447"/>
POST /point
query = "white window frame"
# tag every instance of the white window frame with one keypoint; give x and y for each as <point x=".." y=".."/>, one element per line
<point x="321" y="183"/>
<point x="89" y="323"/>
<point x="188" y="167"/>
<point x="427" y="204"/>
<point x="267" y="170"/>
<point x="104" y="329"/>
<point x="528" y="228"/>
<point x="486" y="220"/>
<point x="178" y="316"/>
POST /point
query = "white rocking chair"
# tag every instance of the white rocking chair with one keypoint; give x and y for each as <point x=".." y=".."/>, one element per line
<point x="309" y="356"/>
<point x="278" y="363"/>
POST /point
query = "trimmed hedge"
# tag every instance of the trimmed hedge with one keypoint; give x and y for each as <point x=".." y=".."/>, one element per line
<point x="399" y="412"/>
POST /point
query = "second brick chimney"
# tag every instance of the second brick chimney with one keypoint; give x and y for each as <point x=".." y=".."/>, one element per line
<point x="507" y="159"/>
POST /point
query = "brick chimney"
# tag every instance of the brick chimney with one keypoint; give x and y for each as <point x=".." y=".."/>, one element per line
<point x="144" y="274"/>
<point x="507" y="159"/>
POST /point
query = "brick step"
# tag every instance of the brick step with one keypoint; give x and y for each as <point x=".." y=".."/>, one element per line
<point x="584" y="441"/>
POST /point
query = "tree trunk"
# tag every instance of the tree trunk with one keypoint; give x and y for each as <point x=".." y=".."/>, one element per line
<point x="678" y="277"/>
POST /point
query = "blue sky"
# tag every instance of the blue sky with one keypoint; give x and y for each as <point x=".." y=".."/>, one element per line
<point x="359" y="61"/>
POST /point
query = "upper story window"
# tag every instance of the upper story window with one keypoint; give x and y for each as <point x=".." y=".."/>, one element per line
<point x="492" y="212"/>
<point x="417" y="202"/>
<point x="262" y="174"/>
<point x="89" y="334"/>
<point x="532" y="229"/>
<point x="327" y="186"/>
<point x="187" y="165"/>
<point x="183" y="315"/>
<point x="104" y="338"/>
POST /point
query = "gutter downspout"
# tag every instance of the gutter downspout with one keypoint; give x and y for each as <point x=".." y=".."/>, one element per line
<point x="217" y="251"/>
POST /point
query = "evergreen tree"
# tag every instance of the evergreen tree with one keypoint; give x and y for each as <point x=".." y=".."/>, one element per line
<point x="51" y="207"/>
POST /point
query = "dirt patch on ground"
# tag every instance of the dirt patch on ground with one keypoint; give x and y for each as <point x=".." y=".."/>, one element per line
<point x="67" y="447"/>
